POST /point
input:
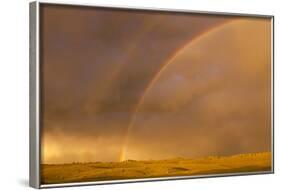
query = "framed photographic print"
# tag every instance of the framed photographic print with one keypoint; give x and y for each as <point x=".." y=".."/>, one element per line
<point x="126" y="94"/>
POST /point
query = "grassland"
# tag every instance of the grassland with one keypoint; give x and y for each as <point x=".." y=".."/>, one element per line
<point x="131" y="169"/>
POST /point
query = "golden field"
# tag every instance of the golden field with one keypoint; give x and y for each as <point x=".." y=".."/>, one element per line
<point x="131" y="169"/>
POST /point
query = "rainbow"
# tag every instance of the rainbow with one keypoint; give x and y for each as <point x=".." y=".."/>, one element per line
<point x="156" y="77"/>
<point x="131" y="49"/>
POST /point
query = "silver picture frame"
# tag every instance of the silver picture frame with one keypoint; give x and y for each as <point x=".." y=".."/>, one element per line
<point x="35" y="96"/>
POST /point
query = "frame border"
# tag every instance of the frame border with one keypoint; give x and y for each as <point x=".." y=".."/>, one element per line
<point x="35" y="95"/>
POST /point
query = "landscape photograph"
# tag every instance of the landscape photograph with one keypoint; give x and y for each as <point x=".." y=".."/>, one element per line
<point x="130" y="94"/>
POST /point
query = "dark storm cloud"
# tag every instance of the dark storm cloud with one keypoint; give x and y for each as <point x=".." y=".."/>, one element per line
<point x="82" y="48"/>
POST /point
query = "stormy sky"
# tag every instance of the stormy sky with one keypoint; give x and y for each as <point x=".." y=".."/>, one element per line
<point x="120" y="84"/>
